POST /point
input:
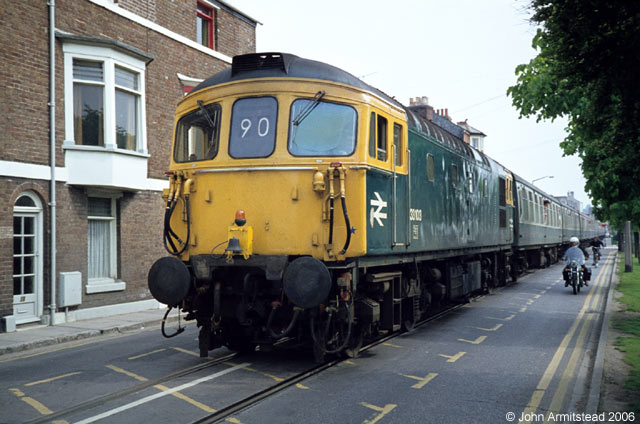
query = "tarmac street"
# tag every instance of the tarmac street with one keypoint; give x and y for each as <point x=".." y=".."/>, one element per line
<point x="520" y="353"/>
<point x="525" y="350"/>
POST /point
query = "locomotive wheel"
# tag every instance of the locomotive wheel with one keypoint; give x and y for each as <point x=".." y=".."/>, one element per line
<point x="408" y="318"/>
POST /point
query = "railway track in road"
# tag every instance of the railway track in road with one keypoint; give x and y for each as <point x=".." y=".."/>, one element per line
<point x="296" y="379"/>
<point x="134" y="389"/>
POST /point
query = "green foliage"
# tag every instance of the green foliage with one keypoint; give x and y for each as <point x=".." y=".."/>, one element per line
<point x="587" y="71"/>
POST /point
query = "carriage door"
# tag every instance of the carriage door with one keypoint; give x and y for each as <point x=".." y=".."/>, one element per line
<point x="27" y="259"/>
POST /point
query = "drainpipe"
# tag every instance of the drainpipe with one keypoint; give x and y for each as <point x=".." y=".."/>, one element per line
<point x="52" y="140"/>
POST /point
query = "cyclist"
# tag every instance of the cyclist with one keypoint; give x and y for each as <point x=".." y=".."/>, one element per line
<point x="596" y="244"/>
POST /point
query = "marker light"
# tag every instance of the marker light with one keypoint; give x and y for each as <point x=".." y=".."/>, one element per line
<point x="240" y="218"/>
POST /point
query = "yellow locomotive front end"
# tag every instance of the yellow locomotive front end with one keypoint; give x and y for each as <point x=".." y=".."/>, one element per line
<point x="274" y="151"/>
<point x="266" y="209"/>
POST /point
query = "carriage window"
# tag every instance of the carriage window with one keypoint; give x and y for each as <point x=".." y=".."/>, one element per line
<point x="532" y="216"/>
<point x="253" y="127"/>
<point x="197" y="134"/>
<point x="321" y="129"/>
<point x="431" y="167"/>
<point x="502" y="187"/>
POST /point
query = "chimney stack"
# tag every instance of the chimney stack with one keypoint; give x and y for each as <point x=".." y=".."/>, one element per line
<point x="420" y="106"/>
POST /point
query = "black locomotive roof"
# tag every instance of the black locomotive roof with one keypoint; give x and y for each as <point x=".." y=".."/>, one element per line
<point x="285" y="65"/>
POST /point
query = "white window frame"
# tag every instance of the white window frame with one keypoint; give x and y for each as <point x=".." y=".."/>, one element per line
<point x="110" y="58"/>
<point x="110" y="283"/>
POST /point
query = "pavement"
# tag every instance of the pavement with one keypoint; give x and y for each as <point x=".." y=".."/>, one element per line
<point x="35" y="336"/>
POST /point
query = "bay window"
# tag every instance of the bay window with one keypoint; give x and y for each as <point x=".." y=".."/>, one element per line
<point x="104" y="97"/>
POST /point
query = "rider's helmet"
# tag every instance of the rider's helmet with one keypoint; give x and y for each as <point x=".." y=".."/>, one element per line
<point x="574" y="240"/>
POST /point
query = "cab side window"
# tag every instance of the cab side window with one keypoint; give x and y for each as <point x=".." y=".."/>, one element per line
<point x="372" y="135"/>
<point x="397" y="144"/>
<point x="381" y="146"/>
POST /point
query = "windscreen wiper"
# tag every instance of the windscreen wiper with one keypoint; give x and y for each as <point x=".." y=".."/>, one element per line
<point x="304" y="113"/>
<point x="307" y="110"/>
<point x="206" y="115"/>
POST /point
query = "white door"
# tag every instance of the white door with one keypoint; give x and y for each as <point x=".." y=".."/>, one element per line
<point x="27" y="259"/>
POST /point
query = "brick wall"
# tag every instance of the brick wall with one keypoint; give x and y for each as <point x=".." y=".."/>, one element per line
<point x="24" y="76"/>
<point x="24" y="120"/>
<point x="234" y="36"/>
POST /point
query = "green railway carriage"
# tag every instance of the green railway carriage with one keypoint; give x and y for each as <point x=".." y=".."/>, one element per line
<point x="538" y="234"/>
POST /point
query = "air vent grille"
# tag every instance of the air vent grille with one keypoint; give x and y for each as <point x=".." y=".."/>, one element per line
<point x="259" y="61"/>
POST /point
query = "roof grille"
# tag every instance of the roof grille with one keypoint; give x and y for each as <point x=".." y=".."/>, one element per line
<point x="259" y="61"/>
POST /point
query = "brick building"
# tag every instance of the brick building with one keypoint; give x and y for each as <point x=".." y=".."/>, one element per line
<point x="121" y="66"/>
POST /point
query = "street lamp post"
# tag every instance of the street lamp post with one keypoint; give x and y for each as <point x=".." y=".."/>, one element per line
<point x="541" y="178"/>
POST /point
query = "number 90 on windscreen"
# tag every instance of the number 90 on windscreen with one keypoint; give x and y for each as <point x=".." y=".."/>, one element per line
<point x="253" y="127"/>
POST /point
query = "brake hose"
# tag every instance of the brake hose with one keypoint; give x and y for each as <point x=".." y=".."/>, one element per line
<point x="348" y="225"/>
<point x="164" y="319"/>
<point x="343" y="192"/>
<point x="169" y="233"/>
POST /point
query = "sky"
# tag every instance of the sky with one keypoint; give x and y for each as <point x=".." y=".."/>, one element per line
<point x="461" y="54"/>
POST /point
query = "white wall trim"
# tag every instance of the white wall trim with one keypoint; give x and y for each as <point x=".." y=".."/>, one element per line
<point x="109" y="5"/>
<point x="30" y="171"/>
<point x="120" y="308"/>
<point x="105" y="311"/>
<point x="99" y="287"/>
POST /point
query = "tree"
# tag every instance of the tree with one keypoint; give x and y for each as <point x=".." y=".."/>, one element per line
<point x="588" y="70"/>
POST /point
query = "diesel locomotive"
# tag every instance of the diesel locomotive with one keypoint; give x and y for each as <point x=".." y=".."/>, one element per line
<point x="305" y="204"/>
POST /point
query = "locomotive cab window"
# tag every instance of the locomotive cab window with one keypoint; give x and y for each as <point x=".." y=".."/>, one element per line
<point x="372" y="135"/>
<point x="397" y="144"/>
<point x="321" y="128"/>
<point x="378" y="144"/>
<point x="197" y="134"/>
<point x="253" y="127"/>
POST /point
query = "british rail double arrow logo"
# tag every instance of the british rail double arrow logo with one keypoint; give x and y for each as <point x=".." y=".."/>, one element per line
<point x="377" y="214"/>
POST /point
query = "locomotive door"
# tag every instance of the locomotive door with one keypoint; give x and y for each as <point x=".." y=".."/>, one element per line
<point x="401" y="191"/>
<point x="387" y="186"/>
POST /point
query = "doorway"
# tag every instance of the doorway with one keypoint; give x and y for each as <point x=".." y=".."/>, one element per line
<point x="27" y="258"/>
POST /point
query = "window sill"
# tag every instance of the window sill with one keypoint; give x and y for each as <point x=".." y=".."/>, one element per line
<point x="103" y="285"/>
<point x="70" y="146"/>
<point x="95" y="166"/>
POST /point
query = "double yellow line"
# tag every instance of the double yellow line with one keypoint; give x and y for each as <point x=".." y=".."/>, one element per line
<point x="592" y="301"/>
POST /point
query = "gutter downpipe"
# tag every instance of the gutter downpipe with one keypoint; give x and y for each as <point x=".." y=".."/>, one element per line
<point x="52" y="140"/>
